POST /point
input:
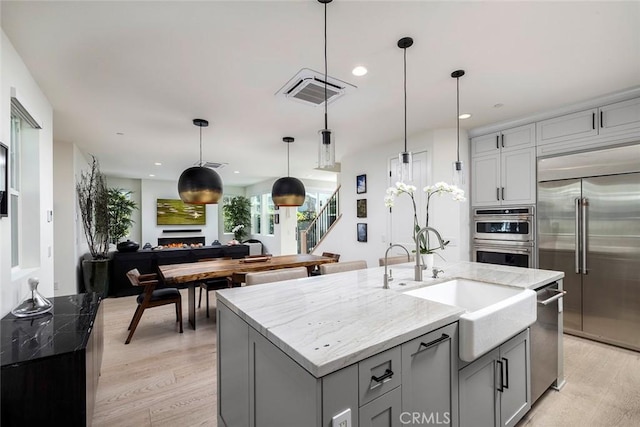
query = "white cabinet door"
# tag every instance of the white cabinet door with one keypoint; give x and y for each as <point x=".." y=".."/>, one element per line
<point x="571" y="126"/>
<point x="518" y="177"/>
<point x="485" y="181"/>
<point x="620" y="117"/>
<point x="518" y="138"/>
<point x="485" y="144"/>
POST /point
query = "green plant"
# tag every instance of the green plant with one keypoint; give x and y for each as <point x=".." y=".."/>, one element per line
<point x="237" y="216"/>
<point x="93" y="203"/>
<point x="120" y="209"/>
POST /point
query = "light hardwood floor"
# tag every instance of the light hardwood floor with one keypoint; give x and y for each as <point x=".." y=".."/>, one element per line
<point x="164" y="378"/>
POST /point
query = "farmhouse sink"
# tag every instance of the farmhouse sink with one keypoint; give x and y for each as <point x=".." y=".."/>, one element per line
<point x="494" y="313"/>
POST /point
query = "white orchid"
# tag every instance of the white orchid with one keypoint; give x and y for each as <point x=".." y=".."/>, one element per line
<point x="237" y="228"/>
<point x="438" y="188"/>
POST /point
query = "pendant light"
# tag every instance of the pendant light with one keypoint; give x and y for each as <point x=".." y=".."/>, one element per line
<point x="200" y="185"/>
<point x="327" y="146"/>
<point x="288" y="191"/>
<point x="405" y="158"/>
<point x="458" y="172"/>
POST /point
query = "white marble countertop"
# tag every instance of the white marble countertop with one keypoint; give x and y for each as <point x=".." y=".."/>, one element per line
<point x="328" y="322"/>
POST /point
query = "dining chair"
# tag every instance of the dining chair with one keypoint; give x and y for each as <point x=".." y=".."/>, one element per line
<point x="279" y="275"/>
<point x="399" y="259"/>
<point x="339" y="267"/>
<point x="212" y="284"/>
<point x="152" y="297"/>
<point x="316" y="270"/>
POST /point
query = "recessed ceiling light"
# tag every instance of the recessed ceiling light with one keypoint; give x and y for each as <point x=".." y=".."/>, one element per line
<point x="498" y="105"/>
<point x="158" y="164"/>
<point x="464" y="116"/>
<point x="236" y="171"/>
<point x="151" y="175"/>
<point x="359" y="71"/>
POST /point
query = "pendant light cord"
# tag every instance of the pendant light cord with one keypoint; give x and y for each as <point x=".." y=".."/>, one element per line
<point x="200" y="147"/>
<point x="288" y="159"/>
<point x="458" y="113"/>
<point x="326" y="121"/>
<point x="405" y="99"/>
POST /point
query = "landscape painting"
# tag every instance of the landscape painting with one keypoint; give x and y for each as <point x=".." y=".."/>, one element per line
<point x="176" y="212"/>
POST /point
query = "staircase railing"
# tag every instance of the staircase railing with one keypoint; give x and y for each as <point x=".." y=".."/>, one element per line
<point x="321" y="225"/>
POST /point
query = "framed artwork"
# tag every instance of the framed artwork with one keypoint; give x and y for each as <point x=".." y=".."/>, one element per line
<point x="176" y="212"/>
<point x="361" y="184"/>
<point x="4" y="178"/>
<point x="362" y="232"/>
<point x="361" y="208"/>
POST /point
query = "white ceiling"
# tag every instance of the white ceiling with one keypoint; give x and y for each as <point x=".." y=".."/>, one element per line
<point x="146" y="69"/>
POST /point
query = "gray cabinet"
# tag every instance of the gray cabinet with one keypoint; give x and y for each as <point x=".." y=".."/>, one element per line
<point x="429" y="376"/>
<point x="589" y="129"/>
<point x="495" y="390"/>
<point x="260" y="386"/>
<point x="504" y="141"/>
<point x="385" y="411"/>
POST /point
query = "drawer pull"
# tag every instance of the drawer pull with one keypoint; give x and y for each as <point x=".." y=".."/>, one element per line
<point x="422" y="347"/>
<point x="388" y="373"/>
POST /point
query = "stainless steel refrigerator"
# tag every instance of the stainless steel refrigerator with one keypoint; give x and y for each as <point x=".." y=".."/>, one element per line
<point x="589" y="227"/>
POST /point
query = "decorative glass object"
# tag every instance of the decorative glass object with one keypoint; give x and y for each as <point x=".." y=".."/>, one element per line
<point x="34" y="303"/>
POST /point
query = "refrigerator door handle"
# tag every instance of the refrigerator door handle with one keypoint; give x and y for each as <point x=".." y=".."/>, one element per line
<point x="584" y="202"/>
<point x="577" y="236"/>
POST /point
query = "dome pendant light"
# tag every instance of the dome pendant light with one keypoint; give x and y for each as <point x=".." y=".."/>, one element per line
<point x="405" y="159"/>
<point x="200" y="185"/>
<point x="458" y="172"/>
<point x="288" y="191"/>
<point x="327" y="146"/>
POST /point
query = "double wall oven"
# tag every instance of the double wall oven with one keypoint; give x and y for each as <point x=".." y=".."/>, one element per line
<point x="505" y="236"/>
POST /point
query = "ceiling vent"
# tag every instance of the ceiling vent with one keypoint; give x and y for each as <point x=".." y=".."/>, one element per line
<point x="308" y="87"/>
<point x="212" y="165"/>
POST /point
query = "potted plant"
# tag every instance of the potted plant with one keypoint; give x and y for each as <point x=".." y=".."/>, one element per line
<point x="93" y="198"/>
<point x="120" y="208"/>
<point x="237" y="217"/>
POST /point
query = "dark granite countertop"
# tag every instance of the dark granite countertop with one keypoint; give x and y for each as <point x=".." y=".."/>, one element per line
<point x="64" y="329"/>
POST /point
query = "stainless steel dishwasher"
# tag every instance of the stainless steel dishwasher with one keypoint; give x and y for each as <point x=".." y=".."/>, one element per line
<point x="544" y="340"/>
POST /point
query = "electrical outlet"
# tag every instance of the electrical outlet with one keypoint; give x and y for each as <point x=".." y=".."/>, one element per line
<point x="343" y="419"/>
<point x="56" y="286"/>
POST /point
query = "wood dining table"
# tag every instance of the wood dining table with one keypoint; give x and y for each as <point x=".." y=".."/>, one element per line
<point x="192" y="273"/>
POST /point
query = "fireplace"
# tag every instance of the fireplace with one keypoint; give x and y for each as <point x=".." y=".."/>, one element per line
<point x="180" y="240"/>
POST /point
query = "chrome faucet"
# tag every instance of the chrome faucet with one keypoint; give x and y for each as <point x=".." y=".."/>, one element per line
<point x="387" y="277"/>
<point x="418" y="267"/>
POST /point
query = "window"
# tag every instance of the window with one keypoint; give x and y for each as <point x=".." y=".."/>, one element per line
<point x="228" y="226"/>
<point x="270" y="213"/>
<point x="256" y="214"/>
<point x="14" y="189"/>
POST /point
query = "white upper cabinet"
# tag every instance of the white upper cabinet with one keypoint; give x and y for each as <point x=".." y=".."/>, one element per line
<point x="503" y="167"/>
<point x="607" y="125"/>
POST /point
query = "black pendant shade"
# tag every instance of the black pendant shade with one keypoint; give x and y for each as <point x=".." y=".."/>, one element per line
<point x="288" y="191"/>
<point x="200" y="185"/>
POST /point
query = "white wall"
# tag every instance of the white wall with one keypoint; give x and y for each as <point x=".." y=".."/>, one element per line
<point x="449" y="217"/>
<point x="17" y="81"/>
<point x="150" y="191"/>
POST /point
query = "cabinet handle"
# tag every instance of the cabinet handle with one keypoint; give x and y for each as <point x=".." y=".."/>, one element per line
<point x="388" y="373"/>
<point x="502" y="192"/>
<point x="502" y="138"/>
<point x="601" y="120"/>
<point x="506" y="368"/>
<point x="497" y="193"/>
<point x="428" y="345"/>
<point x="497" y="142"/>
<point x="500" y="387"/>
<point x="593" y="121"/>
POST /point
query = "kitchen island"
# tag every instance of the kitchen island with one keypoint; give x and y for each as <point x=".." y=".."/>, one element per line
<point x="302" y="349"/>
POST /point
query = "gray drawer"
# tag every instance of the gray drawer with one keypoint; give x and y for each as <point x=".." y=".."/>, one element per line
<point x="385" y="411"/>
<point x="386" y="368"/>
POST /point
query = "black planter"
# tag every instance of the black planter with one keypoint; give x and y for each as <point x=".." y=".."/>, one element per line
<point x="127" y="246"/>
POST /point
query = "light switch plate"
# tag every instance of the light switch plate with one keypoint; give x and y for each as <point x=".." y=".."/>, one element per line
<point x="343" y="419"/>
